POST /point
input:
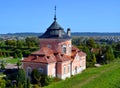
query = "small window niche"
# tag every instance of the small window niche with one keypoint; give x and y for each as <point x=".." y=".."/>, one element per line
<point x="49" y="46"/>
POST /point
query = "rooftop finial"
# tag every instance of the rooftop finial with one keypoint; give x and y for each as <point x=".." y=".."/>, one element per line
<point x="55" y="14"/>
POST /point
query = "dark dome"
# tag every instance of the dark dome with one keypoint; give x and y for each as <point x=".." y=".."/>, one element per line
<point x="53" y="32"/>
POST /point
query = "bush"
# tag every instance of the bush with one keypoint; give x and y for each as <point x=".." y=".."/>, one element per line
<point x="40" y="79"/>
<point x="56" y="79"/>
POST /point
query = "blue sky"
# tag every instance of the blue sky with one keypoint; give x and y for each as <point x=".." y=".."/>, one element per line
<point x="79" y="15"/>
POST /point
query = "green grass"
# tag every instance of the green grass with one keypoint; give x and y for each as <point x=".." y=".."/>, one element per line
<point x="107" y="76"/>
<point x="12" y="60"/>
<point x="2" y="75"/>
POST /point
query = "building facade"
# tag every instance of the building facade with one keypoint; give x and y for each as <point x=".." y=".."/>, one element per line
<point x="57" y="56"/>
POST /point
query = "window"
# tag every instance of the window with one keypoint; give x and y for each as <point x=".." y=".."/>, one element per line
<point x="64" y="49"/>
<point x="40" y="70"/>
<point x="49" y="46"/>
<point x="29" y="70"/>
<point x="64" y="69"/>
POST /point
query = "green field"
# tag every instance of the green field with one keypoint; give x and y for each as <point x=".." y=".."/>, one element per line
<point x="10" y="60"/>
<point x="107" y="76"/>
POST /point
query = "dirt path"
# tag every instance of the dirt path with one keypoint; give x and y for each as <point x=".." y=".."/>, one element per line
<point x="11" y="66"/>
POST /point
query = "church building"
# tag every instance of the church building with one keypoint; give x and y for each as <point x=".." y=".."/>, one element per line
<point x="57" y="57"/>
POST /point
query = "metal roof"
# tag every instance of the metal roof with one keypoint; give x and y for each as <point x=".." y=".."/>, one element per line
<point x="53" y="32"/>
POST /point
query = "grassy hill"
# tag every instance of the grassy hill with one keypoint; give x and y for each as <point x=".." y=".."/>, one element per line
<point x="107" y="76"/>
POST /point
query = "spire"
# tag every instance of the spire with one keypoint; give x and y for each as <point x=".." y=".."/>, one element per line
<point x="55" y="15"/>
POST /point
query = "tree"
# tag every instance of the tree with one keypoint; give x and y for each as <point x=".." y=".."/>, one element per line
<point x="32" y="41"/>
<point x="7" y="54"/>
<point x="4" y="54"/>
<point x="109" y="56"/>
<point x="21" y="78"/>
<point x="2" y="83"/>
<point x="90" y="43"/>
<point x="1" y="54"/>
<point x="88" y="52"/>
<point x="118" y="47"/>
<point x="20" y="43"/>
<point x="14" y="85"/>
<point x="18" y="53"/>
<point x="15" y="55"/>
<point x="2" y="65"/>
<point x="36" y="76"/>
<point x="93" y="59"/>
<point x="18" y="64"/>
<point x="28" y="82"/>
<point x="46" y="80"/>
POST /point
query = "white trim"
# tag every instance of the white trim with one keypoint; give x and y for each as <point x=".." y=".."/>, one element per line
<point x="53" y="72"/>
<point x="47" y="69"/>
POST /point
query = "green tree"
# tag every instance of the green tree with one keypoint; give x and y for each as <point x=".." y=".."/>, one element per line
<point x="1" y="54"/>
<point x="90" y="43"/>
<point x="36" y="76"/>
<point x="46" y="80"/>
<point x="2" y="83"/>
<point x="19" y="64"/>
<point x="93" y="59"/>
<point x="28" y="82"/>
<point x="2" y="65"/>
<point x="21" y="78"/>
<point x="15" y="55"/>
<point x="7" y="54"/>
<point x="109" y="56"/>
<point x="20" y="43"/>
<point x="32" y="42"/>
<point x="88" y="52"/>
<point x="117" y="47"/>
<point x="14" y="86"/>
<point x="19" y="53"/>
<point x="4" y="54"/>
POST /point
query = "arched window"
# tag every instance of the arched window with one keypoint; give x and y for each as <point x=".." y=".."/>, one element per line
<point x="49" y="46"/>
<point x="29" y="70"/>
<point x="40" y="70"/>
<point x="64" y="49"/>
<point x="68" y="68"/>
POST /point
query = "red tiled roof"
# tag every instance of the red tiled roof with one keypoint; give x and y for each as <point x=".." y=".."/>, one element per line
<point x="62" y="57"/>
<point x="44" y="55"/>
<point x="81" y="53"/>
<point x="74" y="51"/>
<point x="74" y="48"/>
<point x="44" y="51"/>
<point x="40" y="59"/>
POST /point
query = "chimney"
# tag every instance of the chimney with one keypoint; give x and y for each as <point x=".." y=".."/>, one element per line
<point x="60" y="33"/>
<point x="68" y="32"/>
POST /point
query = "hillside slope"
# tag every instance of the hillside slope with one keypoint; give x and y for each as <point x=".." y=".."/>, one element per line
<point x="107" y="76"/>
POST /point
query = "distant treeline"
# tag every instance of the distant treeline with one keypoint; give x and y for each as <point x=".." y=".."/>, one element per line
<point x="73" y="34"/>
